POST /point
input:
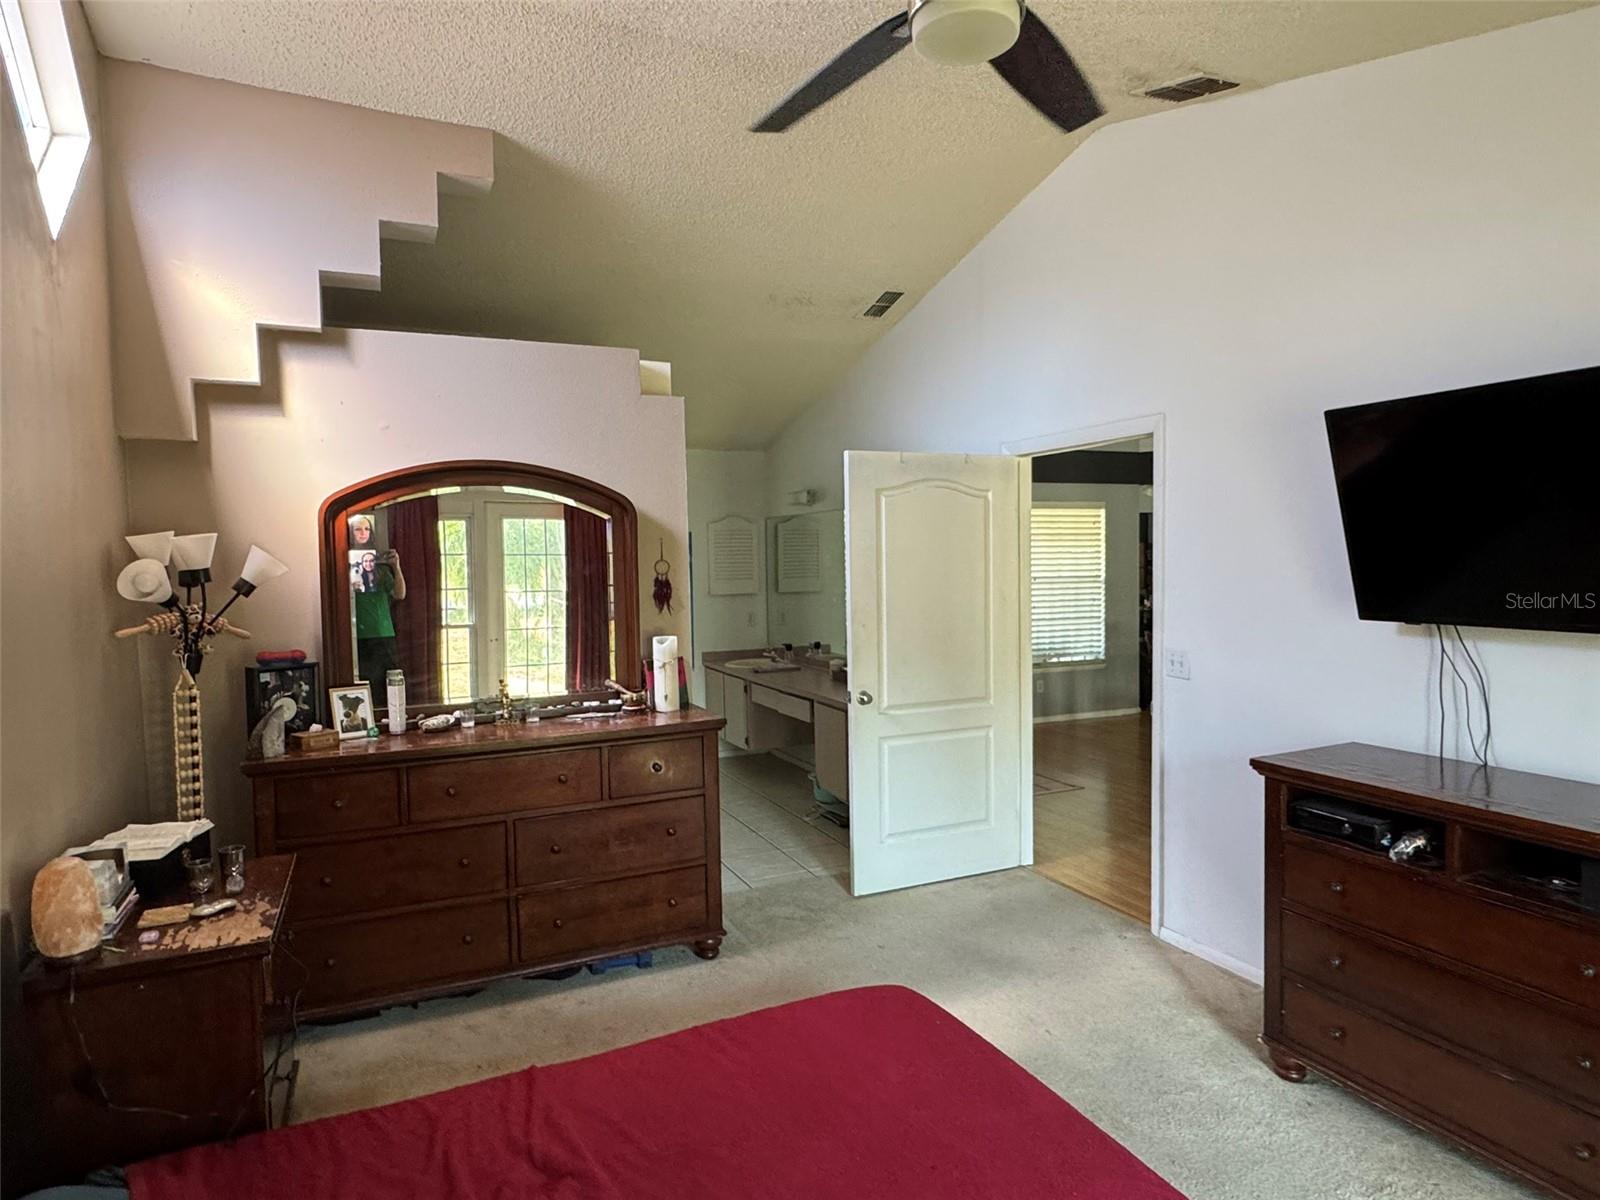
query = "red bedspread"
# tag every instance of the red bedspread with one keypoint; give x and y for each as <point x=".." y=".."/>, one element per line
<point x="872" y="1094"/>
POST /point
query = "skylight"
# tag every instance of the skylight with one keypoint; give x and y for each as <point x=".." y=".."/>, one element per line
<point x="49" y="103"/>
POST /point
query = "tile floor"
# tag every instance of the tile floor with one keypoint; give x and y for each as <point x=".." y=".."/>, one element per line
<point x="769" y="834"/>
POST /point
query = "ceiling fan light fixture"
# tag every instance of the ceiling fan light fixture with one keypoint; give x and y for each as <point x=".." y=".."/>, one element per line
<point x="964" y="33"/>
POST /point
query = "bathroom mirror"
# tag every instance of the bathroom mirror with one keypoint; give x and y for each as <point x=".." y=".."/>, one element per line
<point x="805" y="579"/>
<point x="462" y="574"/>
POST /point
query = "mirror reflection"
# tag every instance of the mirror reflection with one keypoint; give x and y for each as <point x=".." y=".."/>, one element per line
<point x="805" y="579"/>
<point x="461" y="587"/>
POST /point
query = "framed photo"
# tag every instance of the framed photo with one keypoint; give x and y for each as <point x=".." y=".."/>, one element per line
<point x="351" y="709"/>
<point x="263" y="685"/>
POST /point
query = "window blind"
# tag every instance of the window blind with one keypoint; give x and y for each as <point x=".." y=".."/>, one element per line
<point x="1068" y="547"/>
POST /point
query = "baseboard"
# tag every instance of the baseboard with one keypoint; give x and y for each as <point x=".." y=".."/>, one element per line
<point x="1216" y="958"/>
<point x="1087" y="716"/>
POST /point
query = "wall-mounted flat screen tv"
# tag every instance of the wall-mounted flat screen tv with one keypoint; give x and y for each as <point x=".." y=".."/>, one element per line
<point x="1475" y="507"/>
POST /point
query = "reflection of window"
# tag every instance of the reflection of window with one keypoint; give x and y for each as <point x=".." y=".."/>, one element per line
<point x="455" y="615"/>
<point x="1068" y="547"/>
<point x="534" y="563"/>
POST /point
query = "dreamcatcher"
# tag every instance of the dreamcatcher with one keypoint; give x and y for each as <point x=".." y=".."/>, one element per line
<point x="661" y="593"/>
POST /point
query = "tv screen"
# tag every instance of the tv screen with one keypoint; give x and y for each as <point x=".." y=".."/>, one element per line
<point x="1475" y="507"/>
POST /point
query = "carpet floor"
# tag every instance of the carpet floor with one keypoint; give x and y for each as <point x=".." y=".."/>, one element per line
<point x="1155" y="1046"/>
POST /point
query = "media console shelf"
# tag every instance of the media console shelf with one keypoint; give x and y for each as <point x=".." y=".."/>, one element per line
<point x="1459" y="989"/>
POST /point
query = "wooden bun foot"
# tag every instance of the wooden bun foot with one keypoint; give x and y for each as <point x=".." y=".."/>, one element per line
<point x="1286" y="1066"/>
<point x="709" y="948"/>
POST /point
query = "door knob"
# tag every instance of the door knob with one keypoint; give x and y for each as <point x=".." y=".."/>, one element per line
<point x="863" y="697"/>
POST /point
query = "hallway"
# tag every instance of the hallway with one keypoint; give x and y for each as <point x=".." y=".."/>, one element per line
<point x="1091" y="809"/>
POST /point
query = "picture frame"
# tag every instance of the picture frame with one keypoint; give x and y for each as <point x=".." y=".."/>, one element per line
<point x="350" y="710"/>
<point x="264" y="683"/>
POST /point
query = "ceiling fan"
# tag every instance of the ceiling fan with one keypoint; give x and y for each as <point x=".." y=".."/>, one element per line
<point x="1003" y="33"/>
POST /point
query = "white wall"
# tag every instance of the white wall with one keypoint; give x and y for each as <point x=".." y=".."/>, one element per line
<point x="350" y="404"/>
<point x="228" y="204"/>
<point x="1113" y="685"/>
<point x="722" y="483"/>
<point x="1393" y="228"/>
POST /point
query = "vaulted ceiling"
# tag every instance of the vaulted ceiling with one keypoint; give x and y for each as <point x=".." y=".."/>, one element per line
<point x="631" y="206"/>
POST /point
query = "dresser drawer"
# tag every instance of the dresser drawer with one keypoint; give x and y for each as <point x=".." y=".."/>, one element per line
<point x="316" y="805"/>
<point x="1561" y="959"/>
<point x="606" y="915"/>
<point x="1550" y="1045"/>
<point x="1552" y="1137"/>
<point x="649" y="768"/>
<point x="610" y="841"/>
<point x="482" y="787"/>
<point x="385" y="954"/>
<point x="405" y="868"/>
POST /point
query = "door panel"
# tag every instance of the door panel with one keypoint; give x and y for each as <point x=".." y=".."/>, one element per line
<point x="932" y="588"/>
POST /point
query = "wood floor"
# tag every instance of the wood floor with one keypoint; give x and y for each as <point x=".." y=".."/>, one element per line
<point x="1091" y="809"/>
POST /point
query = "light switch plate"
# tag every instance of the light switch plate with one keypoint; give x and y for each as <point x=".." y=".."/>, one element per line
<point x="1178" y="664"/>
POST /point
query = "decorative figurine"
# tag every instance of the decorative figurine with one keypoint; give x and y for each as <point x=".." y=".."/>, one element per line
<point x="268" y="739"/>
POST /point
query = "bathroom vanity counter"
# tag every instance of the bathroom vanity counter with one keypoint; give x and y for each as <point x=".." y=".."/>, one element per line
<point x="774" y="710"/>
<point x="807" y="683"/>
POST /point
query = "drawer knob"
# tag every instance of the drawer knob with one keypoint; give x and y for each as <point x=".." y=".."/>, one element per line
<point x="555" y="849"/>
<point x="672" y="831"/>
<point x="1336" y="962"/>
<point x="465" y="861"/>
<point x="1336" y="1033"/>
<point x="327" y="881"/>
<point x="657" y="766"/>
<point x="466" y="939"/>
<point x="1336" y="887"/>
<point x="1587" y="970"/>
<point x="329" y="962"/>
<point x="1583" y="1152"/>
<point x="556" y="922"/>
<point x="561" y="778"/>
<point x="450" y="791"/>
<point x="1585" y="1062"/>
<point x="339" y="803"/>
<point x="673" y="902"/>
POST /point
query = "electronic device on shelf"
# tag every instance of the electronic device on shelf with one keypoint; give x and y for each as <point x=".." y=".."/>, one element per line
<point x="1346" y="822"/>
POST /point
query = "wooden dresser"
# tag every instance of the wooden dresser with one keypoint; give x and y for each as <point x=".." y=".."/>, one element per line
<point x="1459" y="989"/>
<point x="430" y="862"/>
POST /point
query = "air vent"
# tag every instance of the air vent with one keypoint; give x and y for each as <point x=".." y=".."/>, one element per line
<point x="1190" y="89"/>
<point x="882" y="304"/>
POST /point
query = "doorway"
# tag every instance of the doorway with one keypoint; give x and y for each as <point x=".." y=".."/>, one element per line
<point x="1091" y="601"/>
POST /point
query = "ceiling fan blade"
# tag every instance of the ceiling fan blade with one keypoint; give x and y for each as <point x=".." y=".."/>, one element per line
<point x="1041" y="71"/>
<point x="867" y="52"/>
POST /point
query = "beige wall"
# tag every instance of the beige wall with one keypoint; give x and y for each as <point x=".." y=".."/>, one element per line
<point x="228" y="203"/>
<point x="71" y="756"/>
<point x="70" y="752"/>
<point x="350" y="404"/>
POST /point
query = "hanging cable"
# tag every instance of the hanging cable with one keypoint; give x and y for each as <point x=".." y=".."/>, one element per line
<point x="1483" y="688"/>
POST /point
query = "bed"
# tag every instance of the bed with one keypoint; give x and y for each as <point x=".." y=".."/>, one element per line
<point x="870" y="1094"/>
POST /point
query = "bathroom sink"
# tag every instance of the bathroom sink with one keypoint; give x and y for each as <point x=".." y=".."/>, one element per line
<point x="761" y="665"/>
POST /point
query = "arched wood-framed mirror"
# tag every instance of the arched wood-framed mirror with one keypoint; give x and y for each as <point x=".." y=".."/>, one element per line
<point x="464" y="573"/>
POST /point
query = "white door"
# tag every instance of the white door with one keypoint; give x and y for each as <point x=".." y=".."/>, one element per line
<point x="934" y="600"/>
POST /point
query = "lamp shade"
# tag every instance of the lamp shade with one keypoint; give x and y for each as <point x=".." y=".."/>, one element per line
<point x="965" y="32"/>
<point x="259" y="566"/>
<point x="193" y="551"/>
<point x="152" y="545"/>
<point x="144" y="579"/>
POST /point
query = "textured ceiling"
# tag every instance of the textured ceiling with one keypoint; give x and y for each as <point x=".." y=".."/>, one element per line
<point x="630" y="206"/>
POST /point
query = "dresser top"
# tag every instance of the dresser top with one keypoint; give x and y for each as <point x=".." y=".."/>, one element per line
<point x="487" y="738"/>
<point x="1496" y="795"/>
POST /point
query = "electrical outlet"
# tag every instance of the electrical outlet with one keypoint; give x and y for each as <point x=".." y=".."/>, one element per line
<point x="1178" y="664"/>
